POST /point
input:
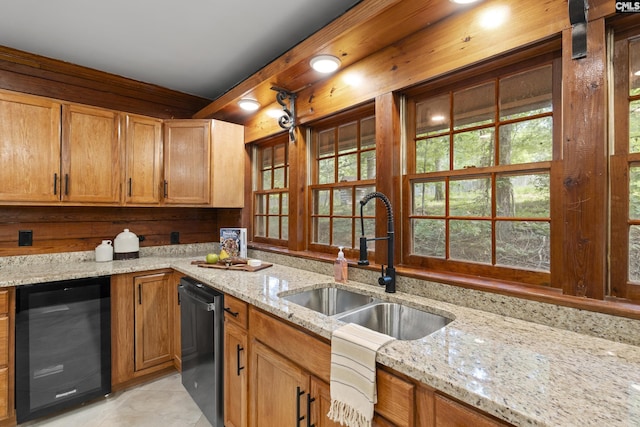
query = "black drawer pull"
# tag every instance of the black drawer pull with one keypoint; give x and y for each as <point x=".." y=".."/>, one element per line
<point x="239" y="348"/>
<point x="233" y="313"/>
<point x="310" y="400"/>
<point x="299" y="418"/>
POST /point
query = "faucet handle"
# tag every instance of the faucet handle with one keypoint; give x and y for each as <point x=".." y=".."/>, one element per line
<point x="363" y="251"/>
<point x="384" y="280"/>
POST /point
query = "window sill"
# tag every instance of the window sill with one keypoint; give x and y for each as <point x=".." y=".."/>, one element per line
<point x="540" y="294"/>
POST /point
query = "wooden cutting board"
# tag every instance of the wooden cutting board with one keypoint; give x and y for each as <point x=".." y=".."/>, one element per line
<point x="241" y="267"/>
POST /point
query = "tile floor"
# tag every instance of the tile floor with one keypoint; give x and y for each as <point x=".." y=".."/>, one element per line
<point x="163" y="402"/>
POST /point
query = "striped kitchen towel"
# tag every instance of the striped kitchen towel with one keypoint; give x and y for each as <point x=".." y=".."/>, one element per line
<point x="353" y="374"/>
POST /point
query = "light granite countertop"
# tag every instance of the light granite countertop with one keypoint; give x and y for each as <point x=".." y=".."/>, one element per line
<point x="525" y="373"/>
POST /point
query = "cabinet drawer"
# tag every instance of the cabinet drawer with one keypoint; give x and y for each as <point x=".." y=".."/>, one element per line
<point x="308" y="352"/>
<point x="4" y="302"/>
<point x="453" y="414"/>
<point x="235" y="311"/>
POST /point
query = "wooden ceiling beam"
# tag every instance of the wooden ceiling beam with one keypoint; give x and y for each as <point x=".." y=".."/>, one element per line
<point x="366" y="28"/>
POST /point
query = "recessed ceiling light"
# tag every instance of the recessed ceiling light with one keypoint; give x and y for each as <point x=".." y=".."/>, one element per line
<point x="494" y="17"/>
<point x="275" y="113"/>
<point x="325" y="63"/>
<point x="249" y="104"/>
<point x="463" y="1"/>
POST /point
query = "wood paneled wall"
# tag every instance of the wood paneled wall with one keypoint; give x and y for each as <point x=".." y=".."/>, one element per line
<point x="67" y="229"/>
<point x="37" y="75"/>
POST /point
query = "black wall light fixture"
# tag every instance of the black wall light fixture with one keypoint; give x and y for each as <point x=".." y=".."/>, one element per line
<point x="578" y="19"/>
<point x="288" y="119"/>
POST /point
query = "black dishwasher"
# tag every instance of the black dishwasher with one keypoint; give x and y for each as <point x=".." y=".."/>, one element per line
<point x="202" y="345"/>
<point x="63" y="345"/>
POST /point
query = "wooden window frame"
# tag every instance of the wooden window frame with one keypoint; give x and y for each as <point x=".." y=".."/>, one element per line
<point x="270" y="143"/>
<point x="620" y="286"/>
<point x="334" y="122"/>
<point x="552" y="167"/>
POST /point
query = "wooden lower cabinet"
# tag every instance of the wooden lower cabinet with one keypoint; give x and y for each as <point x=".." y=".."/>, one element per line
<point x="235" y="363"/>
<point x="289" y="379"/>
<point x="153" y="320"/>
<point x="142" y="325"/>
<point x="289" y="385"/>
<point x="449" y="413"/>
<point x="7" y="349"/>
<point x="279" y="387"/>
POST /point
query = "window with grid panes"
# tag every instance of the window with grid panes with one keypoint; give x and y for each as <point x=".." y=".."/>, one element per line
<point x="625" y="170"/>
<point x="479" y="179"/>
<point x="344" y="170"/>
<point x="271" y="197"/>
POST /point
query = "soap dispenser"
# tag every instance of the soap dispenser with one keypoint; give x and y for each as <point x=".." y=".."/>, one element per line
<point x="340" y="268"/>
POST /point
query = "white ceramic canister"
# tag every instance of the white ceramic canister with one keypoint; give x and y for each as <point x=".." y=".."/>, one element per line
<point x="126" y="245"/>
<point x="104" y="251"/>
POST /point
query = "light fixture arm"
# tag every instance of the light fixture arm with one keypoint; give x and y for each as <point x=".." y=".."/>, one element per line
<point x="288" y="120"/>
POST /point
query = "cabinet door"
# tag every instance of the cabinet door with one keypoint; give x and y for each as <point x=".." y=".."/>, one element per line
<point x="321" y="393"/>
<point x="321" y="405"/>
<point x="278" y="389"/>
<point x="90" y="155"/>
<point x="143" y="157"/>
<point x="227" y="178"/>
<point x="4" y="392"/>
<point x="153" y="320"/>
<point x="30" y="147"/>
<point x="187" y="160"/>
<point x="235" y="376"/>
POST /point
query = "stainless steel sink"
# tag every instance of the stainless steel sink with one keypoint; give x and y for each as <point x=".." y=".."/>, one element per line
<point x="329" y="300"/>
<point x="396" y="320"/>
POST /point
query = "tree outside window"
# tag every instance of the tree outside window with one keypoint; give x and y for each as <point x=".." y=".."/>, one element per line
<point x="344" y="170"/>
<point x="479" y="184"/>
<point x="271" y="197"/>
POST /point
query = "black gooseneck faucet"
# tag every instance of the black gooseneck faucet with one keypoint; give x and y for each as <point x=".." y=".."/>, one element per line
<point x="388" y="276"/>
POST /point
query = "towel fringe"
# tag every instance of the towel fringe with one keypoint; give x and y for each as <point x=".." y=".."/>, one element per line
<point x="346" y="415"/>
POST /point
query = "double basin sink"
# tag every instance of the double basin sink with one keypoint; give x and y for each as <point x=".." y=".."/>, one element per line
<point x="391" y="318"/>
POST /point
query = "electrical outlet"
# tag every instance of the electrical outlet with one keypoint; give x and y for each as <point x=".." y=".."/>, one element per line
<point x="25" y="238"/>
<point x="175" y="237"/>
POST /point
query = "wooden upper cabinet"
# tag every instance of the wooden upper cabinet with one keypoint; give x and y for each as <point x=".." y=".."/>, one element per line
<point x="203" y="163"/>
<point x="55" y="153"/>
<point x="143" y="160"/>
<point x="29" y="149"/>
<point x="227" y="178"/>
<point x="91" y="166"/>
<point x="187" y="156"/>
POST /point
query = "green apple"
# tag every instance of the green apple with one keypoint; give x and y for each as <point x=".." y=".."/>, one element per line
<point x="212" y="258"/>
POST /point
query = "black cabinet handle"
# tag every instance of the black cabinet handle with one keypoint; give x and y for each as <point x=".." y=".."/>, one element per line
<point x="66" y="184"/>
<point x="166" y="188"/>
<point x="139" y="294"/>
<point x="310" y="400"/>
<point x="239" y="348"/>
<point x="299" y="418"/>
<point x="233" y="313"/>
<point x="130" y="187"/>
<point x="55" y="184"/>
